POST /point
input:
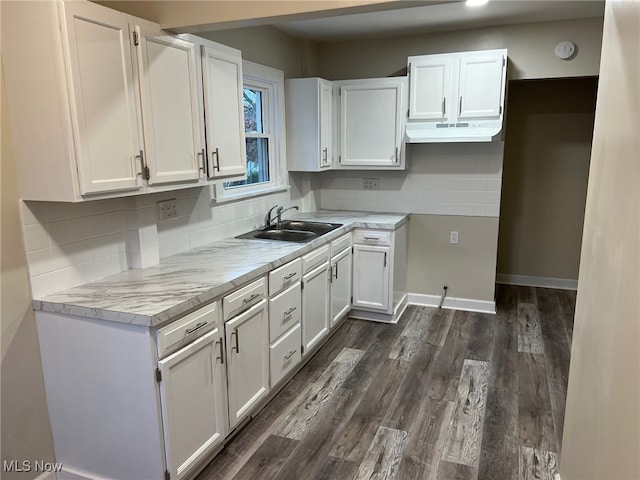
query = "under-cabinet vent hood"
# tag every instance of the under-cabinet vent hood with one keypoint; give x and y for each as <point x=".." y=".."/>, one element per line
<point x="424" y="132"/>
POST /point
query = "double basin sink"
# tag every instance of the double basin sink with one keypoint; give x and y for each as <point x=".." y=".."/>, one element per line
<point x="299" y="231"/>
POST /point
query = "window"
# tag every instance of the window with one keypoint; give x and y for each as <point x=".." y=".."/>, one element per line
<point x="263" y="98"/>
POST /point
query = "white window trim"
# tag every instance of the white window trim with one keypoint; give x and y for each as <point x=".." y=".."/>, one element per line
<point x="273" y="80"/>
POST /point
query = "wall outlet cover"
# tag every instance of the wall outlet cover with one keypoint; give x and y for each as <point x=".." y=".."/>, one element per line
<point x="168" y="209"/>
<point x="371" y="183"/>
<point x="453" y="238"/>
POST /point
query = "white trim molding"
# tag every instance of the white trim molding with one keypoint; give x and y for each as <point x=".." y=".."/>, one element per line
<point x="467" y="304"/>
<point x="47" y="476"/>
<point x="68" y="473"/>
<point x="531" y="281"/>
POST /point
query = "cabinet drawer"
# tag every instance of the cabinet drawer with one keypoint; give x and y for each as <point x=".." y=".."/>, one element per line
<point x="340" y="244"/>
<point x="285" y="276"/>
<point x="284" y="311"/>
<point x="315" y="258"/>
<point x="285" y="354"/>
<point x="243" y="298"/>
<point x="187" y="329"/>
<point x="373" y="237"/>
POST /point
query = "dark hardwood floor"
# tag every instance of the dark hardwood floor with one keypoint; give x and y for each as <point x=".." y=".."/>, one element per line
<point x="443" y="395"/>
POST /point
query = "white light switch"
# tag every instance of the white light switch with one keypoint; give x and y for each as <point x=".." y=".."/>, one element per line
<point x="453" y="238"/>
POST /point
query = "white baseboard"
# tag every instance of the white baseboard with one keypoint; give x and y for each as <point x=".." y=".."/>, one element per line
<point x="47" y="476"/>
<point x="546" y="282"/>
<point x="467" y="304"/>
<point x="68" y="473"/>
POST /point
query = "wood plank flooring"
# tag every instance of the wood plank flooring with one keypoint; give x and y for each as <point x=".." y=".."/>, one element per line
<point x="443" y="394"/>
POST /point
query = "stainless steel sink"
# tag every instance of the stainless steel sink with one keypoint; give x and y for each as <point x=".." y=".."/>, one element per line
<point x="319" y="228"/>
<point x="292" y="231"/>
<point x="285" y="235"/>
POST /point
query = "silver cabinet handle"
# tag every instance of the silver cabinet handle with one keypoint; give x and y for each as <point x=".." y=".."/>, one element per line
<point x="237" y="347"/>
<point x="198" y="326"/>
<point x="444" y="106"/>
<point x="324" y="155"/>
<point x="335" y="275"/>
<point x="290" y="311"/>
<point x="216" y="154"/>
<point x="372" y="238"/>
<point x="396" y="159"/>
<point x="460" y="111"/>
<point x="290" y="276"/>
<point x="202" y="164"/>
<point x="290" y="354"/>
<point x="385" y="259"/>
<point x="252" y="297"/>
<point x="144" y="172"/>
<point x="221" y="357"/>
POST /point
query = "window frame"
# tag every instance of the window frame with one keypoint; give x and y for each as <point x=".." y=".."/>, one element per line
<point x="270" y="82"/>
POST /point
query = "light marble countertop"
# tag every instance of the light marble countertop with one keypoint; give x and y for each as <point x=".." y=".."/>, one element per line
<point x="182" y="282"/>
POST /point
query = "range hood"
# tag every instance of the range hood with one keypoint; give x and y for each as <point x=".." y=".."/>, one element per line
<point x="430" y="132"/>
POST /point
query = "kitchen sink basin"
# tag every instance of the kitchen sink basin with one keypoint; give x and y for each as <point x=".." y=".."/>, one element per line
<point x="292" y="231"/>
<point x="319" y="228"/>
<point x="285" y="235"/>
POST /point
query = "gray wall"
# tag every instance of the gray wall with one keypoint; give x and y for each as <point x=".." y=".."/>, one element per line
<point x="602" y="418"/>
<point x="549" y="130"/>
<point x="531" y="47"/>
<point x="26" y="432"/>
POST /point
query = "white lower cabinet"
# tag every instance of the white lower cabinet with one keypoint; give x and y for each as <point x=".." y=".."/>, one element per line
<point x="247" y="340"/>
<point x="340" y="285"/>
<point x="315" y="306"/>
<point x="371" y="277"/>
<point x="285" y="354"/>
<point x="194" y="402"/>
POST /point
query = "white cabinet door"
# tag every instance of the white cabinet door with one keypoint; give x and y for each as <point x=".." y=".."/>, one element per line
<point x="194" y="402"/>
<point x="371" y="275"/>
<point x="340" y="285"/>
<point x="315" y="307"/>
<point x="430" y="79"/>
<point x="171" y="109"/>
<point x="481" y="86"/>
<point x="326" y="124"/>
<point x="247" y="339"/>
<point x="222" y="77"/>
<point x="103" y="98"/>
<point x="371" y="122"/>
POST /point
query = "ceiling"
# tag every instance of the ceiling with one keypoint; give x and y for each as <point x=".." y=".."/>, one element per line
<point x="439" y="17"/>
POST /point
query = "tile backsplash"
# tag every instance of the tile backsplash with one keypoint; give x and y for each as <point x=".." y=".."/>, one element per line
<point x="72" y="243"/>
<point x="441" y="179"/>
<point x="69" y="244"/>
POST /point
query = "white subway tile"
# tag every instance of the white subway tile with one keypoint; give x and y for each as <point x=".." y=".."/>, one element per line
<point x="493" y="210"/>
<point x="33" y="213"/>
<point x="36" y="237"/>
<point x="39" y="261"/>
<point x="42" y="285"/>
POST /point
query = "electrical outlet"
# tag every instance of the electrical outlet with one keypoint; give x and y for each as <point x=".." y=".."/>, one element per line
<point x="168" y="209"/>
<point x="371" y="183"/>
<point x="453" y="238"/>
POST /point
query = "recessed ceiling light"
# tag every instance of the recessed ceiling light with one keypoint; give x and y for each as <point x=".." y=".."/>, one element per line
<point x="476" y="3"/>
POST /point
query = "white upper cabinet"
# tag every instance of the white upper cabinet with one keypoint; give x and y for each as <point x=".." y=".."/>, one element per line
<point x="122" y="110"/>
<point x="481" y="86"/>
<point x="310" y="123"/>
<point x="222" y="80"/>
<point x="371" y="120"/>
<point x="456" y="96"/>
<point x="171" y="108"/>
<point x="71" y="90"/>
<point x="104" y="116"/>
<point x="429" y="103"/>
